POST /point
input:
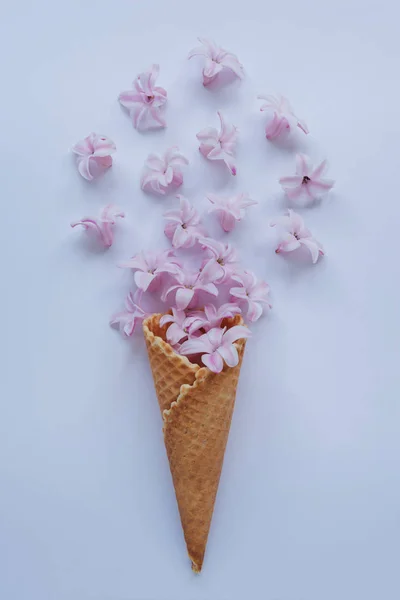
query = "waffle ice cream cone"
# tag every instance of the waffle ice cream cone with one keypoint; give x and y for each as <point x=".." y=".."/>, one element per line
<point x="197" y="407"/>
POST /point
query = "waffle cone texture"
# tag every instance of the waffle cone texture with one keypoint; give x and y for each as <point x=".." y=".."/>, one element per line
<point x="197" y="407"/>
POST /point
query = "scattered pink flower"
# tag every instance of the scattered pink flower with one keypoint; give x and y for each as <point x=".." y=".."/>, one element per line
<point x="219" y="145"/>
<point x="189" y="283"/>
<point x="216" y="59"/>
<point x="94" y="155"/>
<point x="295" y="234"/>
<point x="283" y="116"/>
<point x="146" y="101"/>
<point x="150" y="266"/>
<point x="102" y="225"/>
<point x="230" y="209"/>
<point x="252" y="294"/>
<point x="183" y="225"/>
<point x="210" y="317"/>
<point x="163" y="173"/>
<point x="308" y="180"/>
<point x="217" y="346"/>
<point x="224" y="255"/>
<point x="177" y="331"/>
<point x="129" y="318"/>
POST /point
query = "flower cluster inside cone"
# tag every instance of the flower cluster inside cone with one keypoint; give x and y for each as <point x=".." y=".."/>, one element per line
<point x="195" y="284"/>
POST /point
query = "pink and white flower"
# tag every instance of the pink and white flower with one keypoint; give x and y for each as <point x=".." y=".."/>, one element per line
<point x="219" y="145"/>
<point x="217" y="346"/>
<point x="283" y="118"/>
<point x="190" y="283"/>
<point x="308" y="181"/>
<point x="161" y="173"/>
<point x="183" y="226"/>
<point x="216" y="60"/>
<point x="177" y="330"/>
<point x="294" y="234"/>
<point x="230" y="209"/>
<point x="94" y="155"/>
<point x="129" y="318"/>
<point x="225" y="255"/>
<point x="150" y="266"/>
<point x="210" y="317"/>
<point x="146" y="101"/>
<point x="103" y="225"/>
<point x="251" y="294"/>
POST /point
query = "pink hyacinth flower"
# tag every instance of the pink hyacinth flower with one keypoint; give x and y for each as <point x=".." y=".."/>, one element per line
<point x="150" y="266"/>
<point x="190" y="283"/>
<point x="216" y="60"/>
<point x="230" y="209"/>
<point x="224" y="255"/>
<point x="162" y="173"/>
<point x="251" y="294"/>
<point x="283" y="118"/>
<point x="308" y="181"/>
<point x="217" y="346"/>
<point x="177" y="330"/>
<point x="129" y="318"/>
<point x="295" y="234"/>
<point x="183" y="225"/>
<point x="146" y="101"/>
<point x="210" y="317"/>
<point x="219" y="145"/>
<point x="103" y="225"/>
<point x="94" y="155"/>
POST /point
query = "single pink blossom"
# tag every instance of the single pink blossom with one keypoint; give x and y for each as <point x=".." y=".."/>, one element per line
<point x="219" y="145"/>
<point x="177" y="330"/>
<point x="225" y="255"/>
<point x="146" y="101"/>
<point x="102" y="225"/>
<point x="129" y="318"/>
<point x="295" y="234"/>
<point x="210" y="317"/>
<point x="183" y="225"/>
<point x="308" y="180"/>
<point x="283" y="116"/>
<point x="216" y="59"/>
<point x="150" y="266"/>
<point x="217" y="346"/>
<point x="94" y="155"/>
<point x="160" y="174"/>
<point x="230" y="209"/>
<point x="189" y="283"/>
<point x="252" y="294"/>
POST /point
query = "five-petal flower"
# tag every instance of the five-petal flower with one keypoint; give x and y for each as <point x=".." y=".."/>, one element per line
<point x="162" y="173"/>
<point x="189" y="283"/>
<point x="308" y="181"/>
<point x="146" y="101"/>
<point x="129" y="318"/>
<point x="210" y="317"/>
<point x="177" y="329"/>
<point x="252" y="294"/>
<point x="295" y="234"/>
<point x="216" y="59"/>
<point x="183" y="224"/>
<point x="150" y="266"/>
<point x="230" y="209"/>
<point x="103" y="224"/>
<point x="217" y="346"/>
<point x="225" y="255"/>
<point x="219" y="145"/>
<point x="283" y="116"/>
<point x="94" y="155"/>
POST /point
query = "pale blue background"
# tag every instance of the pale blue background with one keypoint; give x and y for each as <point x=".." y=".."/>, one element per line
<point x="308" y="506"/>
